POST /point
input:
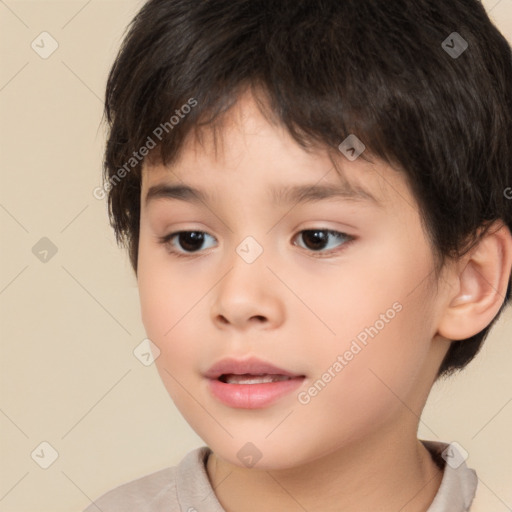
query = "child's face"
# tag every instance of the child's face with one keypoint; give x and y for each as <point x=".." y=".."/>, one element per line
<point x="298" y="306"/>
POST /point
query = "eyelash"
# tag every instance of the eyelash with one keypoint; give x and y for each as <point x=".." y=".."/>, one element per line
<point x="167" y="239"/>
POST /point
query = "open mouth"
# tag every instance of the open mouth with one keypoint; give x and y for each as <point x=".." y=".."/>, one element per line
<point x="251" y="383"/>
<point x="247" y="378"/>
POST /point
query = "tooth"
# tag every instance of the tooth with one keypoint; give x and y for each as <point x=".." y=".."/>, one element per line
<point x="254" y="379"/>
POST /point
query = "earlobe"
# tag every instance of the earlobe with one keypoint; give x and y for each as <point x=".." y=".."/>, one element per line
<point x="483" y="278"/>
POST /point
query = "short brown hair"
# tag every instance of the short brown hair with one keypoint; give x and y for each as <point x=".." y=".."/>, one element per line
<point x="426" y="85"/>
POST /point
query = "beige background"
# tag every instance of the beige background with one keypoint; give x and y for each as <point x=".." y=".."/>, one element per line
<point x="69" y="325"/>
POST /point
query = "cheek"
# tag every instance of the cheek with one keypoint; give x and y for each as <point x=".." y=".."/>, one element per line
<point x="373" y="389"/>
<point x="167" y="300"/>
<point x="379" y="288"/>
<point x="380" y="312"/>
<point x="171" y="322"/>
<point x="165" y="294"/>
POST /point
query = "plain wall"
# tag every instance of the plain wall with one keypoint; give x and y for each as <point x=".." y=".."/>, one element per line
<point x="69" y="325"/>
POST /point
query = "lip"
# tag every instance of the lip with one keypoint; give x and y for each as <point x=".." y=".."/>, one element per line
<point x="252" y="366"/>
<point x="250" y="396"/>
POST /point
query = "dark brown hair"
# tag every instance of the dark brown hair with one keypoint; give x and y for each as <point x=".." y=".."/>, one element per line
<point x="426" y="85"/>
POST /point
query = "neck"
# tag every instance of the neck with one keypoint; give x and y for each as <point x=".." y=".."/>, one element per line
<point x="389" y="472"/>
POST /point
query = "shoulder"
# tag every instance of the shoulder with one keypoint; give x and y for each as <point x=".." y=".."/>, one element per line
<point x="155" y="492"/>
<point x="170" y="489"/>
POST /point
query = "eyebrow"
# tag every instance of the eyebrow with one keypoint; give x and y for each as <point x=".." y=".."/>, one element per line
<point x="280" y="195"/>
<point x="312" y="193"/>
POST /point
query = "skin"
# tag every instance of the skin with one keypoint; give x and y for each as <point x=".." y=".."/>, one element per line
<point x="353" y="446"/>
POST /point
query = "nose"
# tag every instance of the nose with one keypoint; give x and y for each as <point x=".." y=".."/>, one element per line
<point x="248" y="296"/>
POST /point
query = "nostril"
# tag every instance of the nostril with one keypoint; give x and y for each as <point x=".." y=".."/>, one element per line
<point x="258" y="318"/>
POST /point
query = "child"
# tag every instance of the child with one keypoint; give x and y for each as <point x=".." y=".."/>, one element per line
<point x="342" y="168"/>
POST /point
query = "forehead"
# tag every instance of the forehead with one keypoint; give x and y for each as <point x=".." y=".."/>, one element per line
<point x="245" y="144"/>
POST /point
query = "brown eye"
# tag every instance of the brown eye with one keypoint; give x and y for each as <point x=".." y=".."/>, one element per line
<point x="183" y="242"/>
<point x="320" y="239"/>
<point x="190" y="240"/>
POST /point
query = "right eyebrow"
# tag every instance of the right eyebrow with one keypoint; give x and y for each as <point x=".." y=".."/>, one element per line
<point x="183" y="192"/>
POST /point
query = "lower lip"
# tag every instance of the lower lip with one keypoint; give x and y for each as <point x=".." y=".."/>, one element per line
<point x="252" y="396"/>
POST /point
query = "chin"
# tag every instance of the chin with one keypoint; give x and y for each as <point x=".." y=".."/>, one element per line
<point x="261" y="455"/>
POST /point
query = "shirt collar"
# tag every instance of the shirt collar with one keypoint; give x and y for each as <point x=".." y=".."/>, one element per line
<point x="459" y="483"/>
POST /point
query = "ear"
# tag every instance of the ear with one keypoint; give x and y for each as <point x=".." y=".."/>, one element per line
<point x="478" y="285"/>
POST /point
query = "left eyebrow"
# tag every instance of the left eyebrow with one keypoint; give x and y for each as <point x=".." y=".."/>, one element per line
<point x="280" y="195"/>
<point x="312" y="193"/>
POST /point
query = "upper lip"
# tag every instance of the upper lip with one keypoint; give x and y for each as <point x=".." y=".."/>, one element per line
<point x="251" y="366"/>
